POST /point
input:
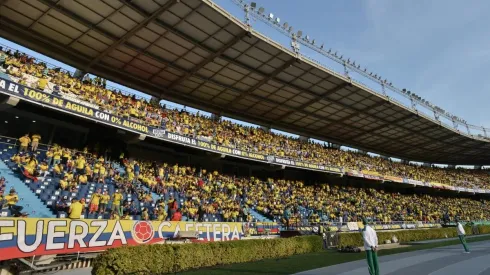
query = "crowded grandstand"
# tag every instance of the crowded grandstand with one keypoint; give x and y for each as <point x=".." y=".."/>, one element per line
<point x="200" y="193"/>
<point x="73" y="147"/>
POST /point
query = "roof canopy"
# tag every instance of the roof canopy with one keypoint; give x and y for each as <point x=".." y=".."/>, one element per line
<point x="195" y="53"/>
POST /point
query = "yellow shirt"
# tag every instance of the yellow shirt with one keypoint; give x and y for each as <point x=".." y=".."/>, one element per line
<point x="12" y="199"/>
<point x="82" y="179"/>
<point x="76" y="209"/>
<point x="97" y="167"/>
<point x="42" y="83"/>
<point x="80" y="163"/>
<point x="24" y="141"/>
<point x="105" y="199"/>
<point x="117" y="197"/>
<point x="57" y="155"/>
<point x="57" y="169"/>
<point x="95" y="198"/>
<point x="63" y="184"/>
<point x="36" y="137"/>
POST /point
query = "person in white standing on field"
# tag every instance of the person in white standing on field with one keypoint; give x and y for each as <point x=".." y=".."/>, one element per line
<point x="371" y="246"/>
<point x="461" y="235"/>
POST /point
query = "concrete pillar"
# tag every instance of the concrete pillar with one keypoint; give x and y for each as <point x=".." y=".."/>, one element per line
<point x="51" y="136"/>
<point x="303" y="138"/>
<point x="265" y="128"/>
<point x="215" y="117"/>
<point x="335" y="145"/>
<point x="79" y="74"/>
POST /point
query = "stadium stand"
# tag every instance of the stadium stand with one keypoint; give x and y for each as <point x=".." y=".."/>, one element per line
<point x="155" y="191"/>
<point x="36" y="74"/>
<point x="209" y="196"/>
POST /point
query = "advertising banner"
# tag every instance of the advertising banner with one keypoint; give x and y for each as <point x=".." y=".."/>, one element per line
<point x="393" y="179"/>
<point x="70" y="103"/>
<point x="372" y="175"/>
<point x="29" y="236"/>
<point x="354" y="173"/>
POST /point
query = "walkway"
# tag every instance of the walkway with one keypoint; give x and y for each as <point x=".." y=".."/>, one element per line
<point x="448" y="260"/>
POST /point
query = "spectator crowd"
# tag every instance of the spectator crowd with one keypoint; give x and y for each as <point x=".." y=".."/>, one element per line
<point x="194" y="193"/>
<point x="222" y="132"/>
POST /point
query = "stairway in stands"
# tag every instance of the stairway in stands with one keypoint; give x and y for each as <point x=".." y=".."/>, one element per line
<point x="27" y="199"/>
<point x="39" y="198"/>
<point x="259" y="217"/>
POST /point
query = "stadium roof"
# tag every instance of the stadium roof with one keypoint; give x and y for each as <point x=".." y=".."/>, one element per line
<point x="194" y="53"/>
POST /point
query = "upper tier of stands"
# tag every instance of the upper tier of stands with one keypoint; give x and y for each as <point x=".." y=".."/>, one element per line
<point x="209" y="196"/>
<point x="221" y="132"/>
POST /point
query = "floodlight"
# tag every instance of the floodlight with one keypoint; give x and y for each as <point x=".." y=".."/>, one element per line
<point x="278" y="20"/>
<point x="285" y="25"/>
<point x="253" y="5"/>
<point x="271" y="16"/>
<point x="290" y="29"/>
<point x="299" y="33"/>
<point x="261" y="10"/>
<point x="348" y="60"/>
<point x="321" y="47"/>
<point x="313" y="42"/>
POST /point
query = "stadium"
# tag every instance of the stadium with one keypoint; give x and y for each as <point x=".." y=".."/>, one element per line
<point x="86" y="167"/>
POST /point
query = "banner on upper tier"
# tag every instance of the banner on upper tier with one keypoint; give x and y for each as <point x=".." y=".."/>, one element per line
<point x="354" y="173"/>
<point x="393" y="179"/>
<point x="28" y="237"/>
<point x="303" y="164"/>
<point x="69" y="103"/>
<point x="372" y="175"/>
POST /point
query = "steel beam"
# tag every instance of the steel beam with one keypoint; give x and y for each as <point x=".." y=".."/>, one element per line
<point x="264" y="80"/>
<point x="40" y="17"/>
<point x="148" y="18"/>
<point x="315" y="99"/>
<point x="209" y="59"/>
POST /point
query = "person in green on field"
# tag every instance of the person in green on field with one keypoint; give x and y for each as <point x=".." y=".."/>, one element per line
<point x="371" y="246"/>
<point x="461" y="235"/>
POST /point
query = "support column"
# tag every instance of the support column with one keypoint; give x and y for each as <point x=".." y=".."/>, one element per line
<point x="335" y="145"/>
<point x="265" y="128"/>
<point x="303" y="138"/>
<point x="215" y="117"/>
<point x="79" y="74"/>
<point x="52" y="135"/>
